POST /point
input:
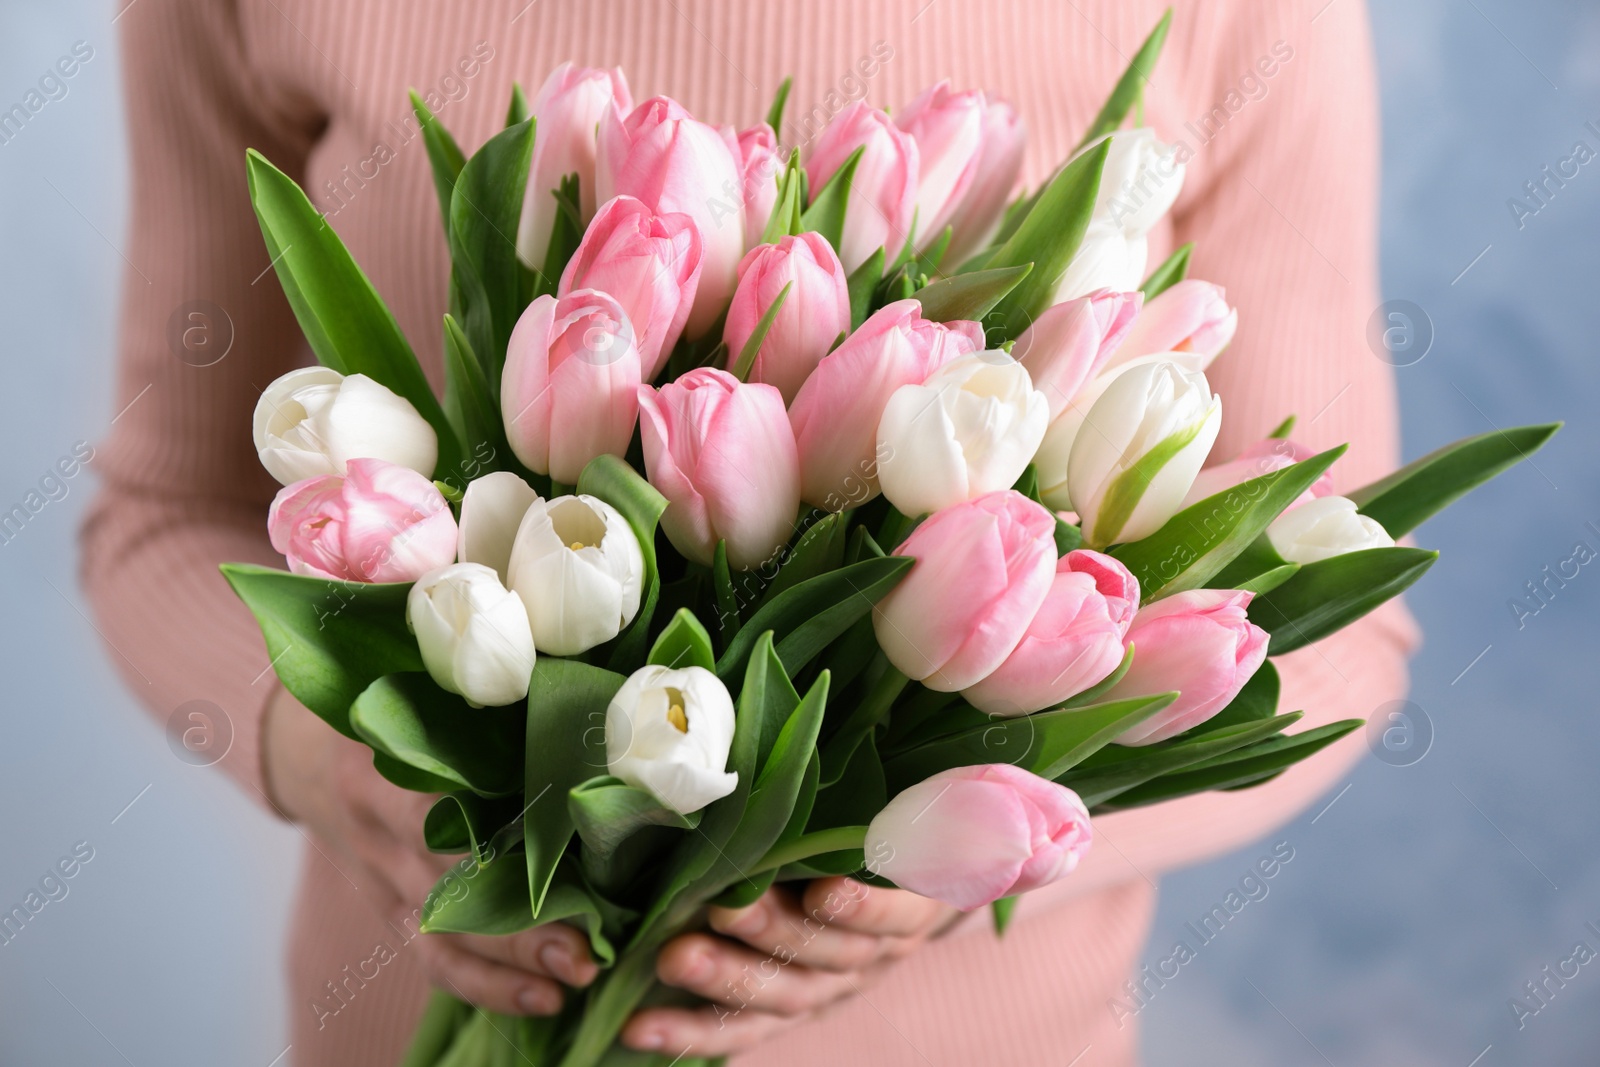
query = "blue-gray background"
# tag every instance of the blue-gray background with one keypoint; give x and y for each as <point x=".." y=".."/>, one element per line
<point x="1415" y="907"/>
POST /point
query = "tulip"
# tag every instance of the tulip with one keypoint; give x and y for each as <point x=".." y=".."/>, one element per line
<point x="760" y="165"/>
<point x="977" y="217"/>
<point x="970" y="428"/>
<point x="1192" y="316"/>
<point x="568" y="391"/>
<point x="982" y="570"/>
<point x="1140" y="449"/>
<point x="722" y="453"/>
<point x="649" y="263"/>
<point x="566" y="111"/>
<point x="1073" y="643"/>
<point x="473" y="634"/>
<point x="491" y="510"/>
<point x="669" y="732"/>
<point x="314" y="421"/>
<point x="1140" y="180"/>
<point x="1323" y="528"/>
<point x="971" y="835"/>
<point x="1257" y="461"/>
<point x="1108" y="258"/>
<point x="1198" y="643"/>
<point x="1069" y="343"/>
<point x="948" y="129"/>
<point x="814" y="315"/>
<point x="883" y="191"/>
<point x="836" y="412"/>
<point x="578" y="568"/>
<point x="378" y="523"/>
<point x="659" y="154"/>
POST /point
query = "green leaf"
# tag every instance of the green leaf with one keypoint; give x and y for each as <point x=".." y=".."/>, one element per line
<point x="1332" y="593"/>
<point x="566" y="233"/>
<point x="468" y="401"/>
<point x="858" y="794"/>
<point x="752" y="346"/>
<point x="327" y="640"/>
<point x="1283" y="429"/>
<point x="444" y="156"/>
<point x="683" y="643"/>
<point x="728" y="602"/>
<point x="485" y="210"/>
<point x="1002" y="910"/>
<point x="490" y="899"/>
<point x="819" y="550"/>
<point x="1134" y="766"/>
<point x="826" y="213"/>
<point x="1414" y="493"/>
<point x="409" y="717"/>
<point x="567" y="703"/>
<point x="969" y="296"/>
<point x="612" y="480"/>
<point x="1257" y="569"/>
<point x="861" y="284"/>
<point x="872" y="710"/>
<point x="775" y="112"/>
<point x="607" y="811"/>
<point x="408" y="777"/>
<point x="1172" y="271"/>
<point x="1129" y="87"/>
<point x="1199" y="541"/>
<point x="568" y="899"/>
<point x="465" y="822"/>
<point x="342" y="316"/>
<point x="518" y="111"/>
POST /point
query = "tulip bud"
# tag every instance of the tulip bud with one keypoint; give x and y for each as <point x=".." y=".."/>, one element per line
<point x="578" y="568"/>
<point x="1191" y="316"/>
<point x="669" y="732"/>
<point x="971" y="835"/>
<point x="314" y="421"/>
<point x="1198" y="643"/>
<point x="948" y="129"/>
<point x="760" y="164"/>
<point x="491" y="510"/>
<point x="1140" y="449"/>
<point x="1073" y="643"/>
<point x="566" y="111"/>
<point x="378" y="523"/>
<point x="1257" y="461"/>
<point x="836" y="412"/>
<point x="883" y="191"/>
<point x="661" y="155"/>
<point x="722" y="453"/>
<point x="1141" y="178"/>
<point x="813" y="316"/>
<point x="982" y="570"/>
<point x="1069" y="343"/>
<point x="473" y="634"/>
<point x="977" y="217"/>
<point x="649" y="263"/>
<point x="1108" y="258"/>
<point x="568" y="391"/>
<point x="1323" y="528"/>
<point x="970" y="428"/>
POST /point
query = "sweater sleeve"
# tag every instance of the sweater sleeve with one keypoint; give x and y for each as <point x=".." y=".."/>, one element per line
<point x="202" y="330"/>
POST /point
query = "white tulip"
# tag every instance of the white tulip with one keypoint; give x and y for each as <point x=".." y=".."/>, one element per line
<point x="473" y="633"/>
<point x="1140" y="448"/>
<point x="491" y="512"/>
<point x="1108" y="258"/>
<point x="669" y="732"/>
<point x="1323" y="528"/>
<point x="578" y="568"/>
<point x="970" y="428"/>
<point x="313" y="421"/>
<point x="1141" y="179"/>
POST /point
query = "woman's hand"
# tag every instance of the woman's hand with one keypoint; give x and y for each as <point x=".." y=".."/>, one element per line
<point x="327" y="783"/>
<point x="781" y="960"/>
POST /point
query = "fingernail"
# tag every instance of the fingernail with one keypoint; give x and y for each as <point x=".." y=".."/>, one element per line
<point x="556" y="958"/>
<point x="649" y="1039"/>
<point x="749" y="922"/>
<point x="696" y="967"/>
<point x="536" y="1001"/>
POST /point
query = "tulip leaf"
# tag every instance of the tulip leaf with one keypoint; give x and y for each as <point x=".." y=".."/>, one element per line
<point x="1172" y="271"/>
<point x="518" y="110"/>
<point x="607" y="811"/>
<point x="856" y="795"/>
<point x="872" y="710"/>
<point x="342" y="316"/>
<point x="683" y="643"/>
<point x="408" y="777"/>
<point x="1001" y="911"/>
<point x="851" y="653"/>
<point x="728" y="605"/>
<point x="752" y="346"/>
<point x="862" y="283"/>
<point x="569" y="900"/>
<point x="826" y="213"/>
<point x="465" y="822"/>
<point x="775" y="112"/>
<point x="1258" y="569"/>
<point x="1116" y="769"/>
<point x="969" y="296"/>
<point x="806" y="617"/>
<point x="327" y="640"/>
<point x="1414" y="493"/>
<point x="818" y="550"/>
<point x="614" y="481"/>
<point x="566" y="233"/>
<point x="1130" y="87"/>
<point x="1282" y="431"/>
<point x="1048" y="238"/>
<point x="490" y="898"/>
<point x="1332" y="593"/>
<point x="1068" y="536"/>
<point x="408" y="716"/>
<point x="444" y="156"/>
<point x="785" y="219"/>
<point x="1202" y="539"/>
<point x="468" y="401"/>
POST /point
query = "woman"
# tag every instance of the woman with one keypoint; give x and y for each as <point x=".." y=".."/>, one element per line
<point x="1277" y="110"/>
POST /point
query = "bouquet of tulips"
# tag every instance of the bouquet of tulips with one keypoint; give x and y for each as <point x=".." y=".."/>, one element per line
<point x="786" y="518"/>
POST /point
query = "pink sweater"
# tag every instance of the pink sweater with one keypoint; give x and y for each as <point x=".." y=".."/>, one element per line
<point x="1278" y="111"/>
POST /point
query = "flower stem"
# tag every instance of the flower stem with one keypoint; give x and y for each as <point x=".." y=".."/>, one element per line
<point x="817" y="843"/>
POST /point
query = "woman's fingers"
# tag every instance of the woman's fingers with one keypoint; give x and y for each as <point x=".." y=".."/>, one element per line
<point x="852" y="905"/>
<point x="554" y="950"/>
<point x="487" y="984"/>
<point x="739" y="977"/>
<point x="778" y="925"/>
<point x="700" y="1031"/>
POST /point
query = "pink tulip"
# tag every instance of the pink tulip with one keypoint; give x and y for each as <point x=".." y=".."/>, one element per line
<point x="1074" y="642"/>
<point x="1192" y="316"/>
<point x="977" y="217"/>
<point x="983" y="570"/>
<point x="1197" y="643"/>
<point x="566" y="111"/>
<point x="570" y="386"/>
<point x="883" y="192"/>
<point x="1260" y="459"/>
<point x="760" y="164"/>
<point x="971" y="835"/>
<point x="835" y="414"/>
<point x="378" y="523"/>
<point x="722" y="454"/>
<point x="948" y="129"/>
<point x="1068" y="344"/>
<point x="649" y="263"/>
<point x="661" y="155"/>
<point x="813" y="316"/>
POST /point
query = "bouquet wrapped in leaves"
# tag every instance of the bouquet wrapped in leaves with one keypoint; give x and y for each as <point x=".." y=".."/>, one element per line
<point x="782" y="520"/>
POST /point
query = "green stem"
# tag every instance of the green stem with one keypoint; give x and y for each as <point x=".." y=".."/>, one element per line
<point x="436" y="1031"/>
<point x="817" y="843"/>
<point x="610" y="1003"/>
